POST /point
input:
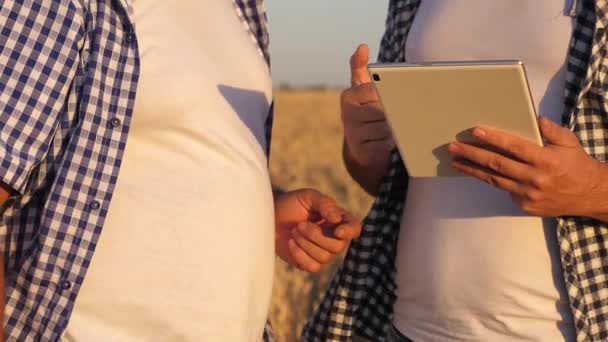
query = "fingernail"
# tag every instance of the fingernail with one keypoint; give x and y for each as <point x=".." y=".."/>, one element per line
<point x="478" y="132"/>
<point x="454" y="148"/>
<point x="301" y="226"/>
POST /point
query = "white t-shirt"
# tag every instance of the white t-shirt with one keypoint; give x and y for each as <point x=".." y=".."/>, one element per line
<point x="471" y="265"/>
<point x="187" y="250"/>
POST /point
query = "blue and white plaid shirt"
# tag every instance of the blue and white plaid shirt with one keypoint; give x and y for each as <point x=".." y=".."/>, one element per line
<point x="68" y="79"/>
<point x="361" y="296"/>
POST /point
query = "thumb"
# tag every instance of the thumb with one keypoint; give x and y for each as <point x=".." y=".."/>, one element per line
<point x="556" y="134"/>
<point x="322" y="205"/>
<point x="358" y="66"/>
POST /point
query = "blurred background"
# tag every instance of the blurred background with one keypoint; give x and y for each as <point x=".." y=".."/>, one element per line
<point x="311" y="43"/>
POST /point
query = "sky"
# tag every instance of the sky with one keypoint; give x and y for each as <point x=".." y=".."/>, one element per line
<point x="311" y="40"/>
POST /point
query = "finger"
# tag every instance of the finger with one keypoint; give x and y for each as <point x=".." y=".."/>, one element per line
<point x="360" y="95"/>
<point x="372" y="131"/>
<point x="358" y="66"/>
<point x="381" y="146"/>
<point x="513" y="145"/>
<point x="317" y="203"/>
<point x="486" y="176"/>
<point x="327" y="208"/>
<point x="496" y="162"/>
<point x="372" y="152"/>
<point x="354" y="115"/>
<point x="317" y="253"/>
<point x="556" y="134"/>
<point x="314" y="233"/>
<point x="302" y="260"/>
<point x="350" y="229"/>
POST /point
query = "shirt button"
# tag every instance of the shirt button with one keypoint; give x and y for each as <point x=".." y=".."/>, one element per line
<point x="66" y="285"/>
<point x="130" y="37"/>
<point x="94" y="205"/>
<point x="114" y="122"/>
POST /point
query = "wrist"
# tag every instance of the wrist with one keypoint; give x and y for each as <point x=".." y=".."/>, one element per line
<point x="367" y="174"/>
<point x="363" y="164"/>
<point x="596" y="203"/>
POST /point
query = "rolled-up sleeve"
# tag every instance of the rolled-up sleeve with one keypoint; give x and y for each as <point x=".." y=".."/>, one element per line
<point x="40" y="45"/>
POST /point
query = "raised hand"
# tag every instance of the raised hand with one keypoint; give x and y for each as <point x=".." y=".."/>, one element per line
<point x="367" y="138"/>
<point x="311" y="229"/>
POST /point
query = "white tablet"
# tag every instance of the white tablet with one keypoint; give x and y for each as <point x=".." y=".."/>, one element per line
<point x="429" y="105"/>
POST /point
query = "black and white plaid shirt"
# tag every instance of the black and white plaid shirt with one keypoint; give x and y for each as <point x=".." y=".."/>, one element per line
<point x="68" y="78"/>
<point x="361" y="296"/>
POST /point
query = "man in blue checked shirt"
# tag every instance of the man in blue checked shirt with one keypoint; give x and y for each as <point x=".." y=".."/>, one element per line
<point x="136" y="198"/>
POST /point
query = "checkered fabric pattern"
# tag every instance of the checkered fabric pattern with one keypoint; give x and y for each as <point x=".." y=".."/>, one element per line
<point x="253" y="14"/>
<point x="69" y="75"/>
<point x="68" y="79"/>
<point x="361" y="296"/>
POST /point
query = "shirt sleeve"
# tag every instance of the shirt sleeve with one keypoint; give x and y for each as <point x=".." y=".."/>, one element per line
<point x="39" y="53"/>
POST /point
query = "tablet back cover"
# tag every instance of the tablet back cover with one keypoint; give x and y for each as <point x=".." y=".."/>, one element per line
<point x="429" y="106"/>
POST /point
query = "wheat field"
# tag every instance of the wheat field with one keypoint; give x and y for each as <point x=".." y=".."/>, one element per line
<point x="306" y="152"/>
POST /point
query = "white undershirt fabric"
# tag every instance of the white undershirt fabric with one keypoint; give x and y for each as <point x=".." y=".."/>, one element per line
<point x="471" y="265"/>
<point x="187" y="250"/>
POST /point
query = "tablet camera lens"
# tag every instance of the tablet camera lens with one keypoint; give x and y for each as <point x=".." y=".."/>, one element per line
<point x="376" y="77"/>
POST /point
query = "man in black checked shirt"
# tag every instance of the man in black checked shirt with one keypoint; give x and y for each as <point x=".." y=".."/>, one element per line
<point x="459" y="259"/>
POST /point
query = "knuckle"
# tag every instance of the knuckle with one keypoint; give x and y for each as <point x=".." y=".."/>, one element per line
<point x="523" y="203"/>
<point x="329" y="202"/>
<point x="313" y="193"/>
<point x="315" y="233"/>
<point x="532" y="210"/>
<point x="492" y="180"/>
<point x="495" y="164"/>
<point x="532" y="196"/>
<point x="540" y="182"/>
<point x="554" y="164"/>
<point x="526" y="207"/>
<point x="303" y="232"/>
<point x="368" y="90"/>
<point x="297" y="236"/>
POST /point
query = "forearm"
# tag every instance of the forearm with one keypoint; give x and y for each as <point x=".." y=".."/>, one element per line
<point x="369" y="176"/>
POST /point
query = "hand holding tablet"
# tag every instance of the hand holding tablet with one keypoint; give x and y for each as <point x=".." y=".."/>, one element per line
<point x="430" y="105"/>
